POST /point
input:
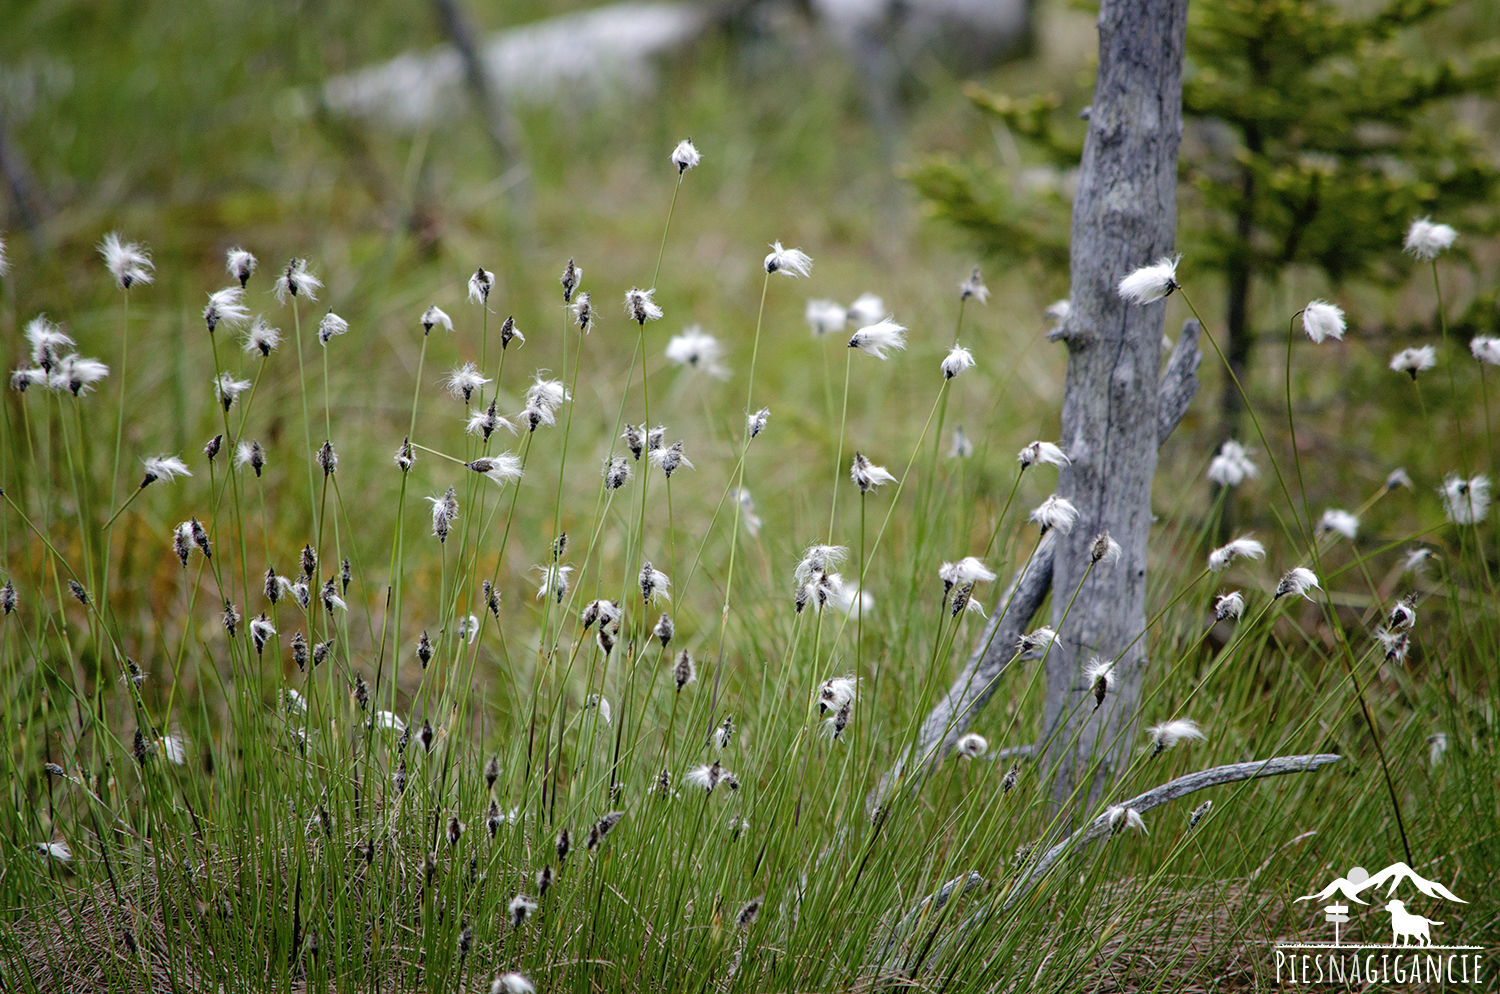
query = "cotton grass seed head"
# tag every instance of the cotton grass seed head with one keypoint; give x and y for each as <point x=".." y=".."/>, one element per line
<point x="1151" y="283"/>
<point x="788" y="262"/>
<point x="48" y="342"/>
<point x="756" y="423"/>
<point x="1297" y="581"/>
<point x="1243" y="547"/>
<point x="972" y="746"/>
<point x="685" y="156"/>
<point x="1042" y="452"/>
<point x="1105" y="550"/>
<point x="1394" y="644"/>
<point x="639" y="306"/>
<point x="879" y="338"/>
<point x="250" y="454"/>
<point x="835" y="692"/>
<point x="226" y="307"/>
<point x="654" y="584"/>
<point x="617" y="473"/>
<point x="463" y="381"/>
<point x="696" y="349"/>
<point x="867" y="476"/>
<point x="1485" y="349"/>
<point x="328" y="459"/>
<point x="1229" y="606"/>
<point x="974" y="287"/>
<point x="1339" y="521"/>
<point x="960" y="447"/>
<point x="228" y="390"/>
<point x="77" y="374"/>
<point x="488" y="421"/>
<point x="260" y="337"/>
<point x="554" y="581"/>
<point x="956" y="361"/>
<point x="297" y="281"/>
<point x="1055" y="512"/>
<point x="165" y="468"/>
<point x="435" y="315"/>
<point x="669" y="458"/>
<point x="1034" y="645"/>
<point x="824" y="317"/>
<point x="1399" y="477"/>
<point x="501" y="469"/>
<point x="1414" y="361"/>
<point x="1322" y="320"/>
<point x="128" y="262"/>
<point x="1099" y="679"/>
<point x="664" y="630"/>
<point x="1199" y="813"/>
<point x="571" y="277"/>
<point x="520" y="909"/>
<point x="1466" y="502"/>
<point x="867" y="309"/>
<point x="240" y="264"/>
<point x="683" y="671"/>
<point x="1426" y="241"/>
<point x="444" y="513"/>
<point x="1120" y="818"/>
<point x="1404" y="615"/>
<point x="1168" y="734"/>
<point x="480" y="285"/>
<point x="967" y="571"/>
<point x="1232" y="465"/>
<point x="511" y="983"/>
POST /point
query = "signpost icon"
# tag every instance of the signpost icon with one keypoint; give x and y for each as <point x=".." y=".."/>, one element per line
<point x="1337" y="914"/>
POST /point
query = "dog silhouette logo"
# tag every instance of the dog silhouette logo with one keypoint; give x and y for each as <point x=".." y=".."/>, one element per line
<point x="1407" y="928"/>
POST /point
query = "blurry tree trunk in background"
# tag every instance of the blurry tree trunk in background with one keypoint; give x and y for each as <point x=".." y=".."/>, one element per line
<point x="1124" y="216"/>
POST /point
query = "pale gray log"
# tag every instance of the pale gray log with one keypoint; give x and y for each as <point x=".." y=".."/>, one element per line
<point x="1099" y="826"/>
<point x="1124" y="217"/>
<point x="914" y="917"/>
<point x="1179" y="381"/>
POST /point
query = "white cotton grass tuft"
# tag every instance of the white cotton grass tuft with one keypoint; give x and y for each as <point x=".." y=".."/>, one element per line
<point x="972" y="746"/>
<point x="1034" y="645"/>
<point x="824" y="317"/>
<point x="668" y="458"/>
<point x="755" y="423"/>
<point x="173" y="748"/>
<point x="1105" y="550"/>
<point x="55" y="850"/>
<point x="1057" y="312"/>
<point x="685" y="156"/>
<point x="226" y="307"/>
<point x="867" y="309"/>
<point x="1055" y="512"/>
<point x="1416" y="560"/>
<point x="1297" y="582"/>
<point x="1120" y="818"/>
<point x="1394" y="645"/>
<point x="1485" y="349"/>
<point x="1414" y="361"/>
<point x="878" y="338"/>
<point x="974" y="287"/>
<point x="959" y="445"/>
<point x="1229" y="606"/>
<point x="1322" y="321"/>
<point x="1345" y="523"/>
<point x="165" y="468"/>
<point x="746" y="505"/>
<point x="697" y="349"/>
<point x="260" y="337"/>
<point x="1151" y="283"/>
<point x="788" y="261"/>
<point x="1042" y="452"/>
<point x="1232" y="465"/>
<point x="463" y="381"/>
<point x="1243" y="547"/>
<point x="502" y="468"/>
<point x="77" y="375"/>
<point x="1466" y="502"/>
<point x="49" y="343"/>
<point x="554" y="581"/>
<point x="511" y="983"/>
<point x="1437" y="745"/>
<point x="433" y="316"/>
<point x="296" y="280"/>
<point x="240" y="264"/>
<point x="867" y="476"/>
<point x="710" y="775"/>
<point x="956" y="361"/>
<point x="331" y="326"/>
<point x="1168" y="734"/>
<point x="480" y="285"/>
<point x="1399" y="477"/>
<point x="1426" y="240"/>
<point x="128" y="262"/>
<point x="837" y="692"/>
<point x="966" y="571"/>
<point x="639" y="306"/>
<point x="654" y="584"/>
<point x="228" y="389"/>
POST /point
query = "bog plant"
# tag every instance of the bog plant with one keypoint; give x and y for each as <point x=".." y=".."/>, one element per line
<point x="645" y="754"/>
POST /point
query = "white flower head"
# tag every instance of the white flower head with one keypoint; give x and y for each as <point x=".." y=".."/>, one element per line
<point x="709" y="776"/>
<point x="166" y="468"/>
<point x="48" y="342"/>
<point x="1167" y="735"/>
<point x="463" y="381"/>
<point x="226" y="307"/>
<point x="1337" y="520"/>
<point x="1485" y="349"/>
<point x="1232" y="465"/>
<point x="1034" y="645"/>
<point x="639" y="306"/>
<point x="788" y="262"/>
<point x="685" y="156"/>
<point x="956" y="361"/>
<point x="502" y="468"/>
<point x="55" y="850"/>
<point x="1151" y="283"/>
<point x="1105" y="549"/>
<point x="261" y="337"/>
<point x="1416" y="560"/>
<point x="755" y="423"/>
<point x="972" y="746"/>
<point x="240" y="264"/>
<point x="1437" y="744"/>
<point x="331" y="326"/>
<point x="547" y="393"/>
<point x="1322" y="320"/>
<point x="1399" y="478"/>
<point x="1393" y="644"/>
<point x="669" y="458"/>
<point x="174" y="748"/>
<point x="228" y="389"/>
<point x="825" y="317"/>
<point x="1230" y="605"/>
<point x="699" y="350"/>
<point x="554" y="581"/>
<point x="654" y="584"/>
<point x="1042" y="452"/>
<point x="297" y="281"/>
<point x="1055" y="512"/>
<point x="1426" y="240"/>
<point x="1414" y="361"/>
<point x="877" y="338"/>
<point x="866" y="475"/>
<point x="746" y="505"/>
<point x="974" y="287"/>
<point x="77" y="374"/>
<point x="867" y="309"/>
<point x="966" y="571"/>
<point x="435" y="315"/>
<point x="128" y="262"/>
<point x="1057" y="312"/>
<point x="836" y="692"/>
<point x="1121" y="818"/>
<point x="480" y="285"/>
<point x="511" y="983"/>
<point x="1243" y="547"/>
<point x="817" y="561"/>
<point x="1297" y="581"/>
<point x="444" y="513"/>
<point x="1466" y="502"/>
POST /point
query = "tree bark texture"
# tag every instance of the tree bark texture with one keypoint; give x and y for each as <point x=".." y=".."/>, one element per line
<point x="1124" y="217"/>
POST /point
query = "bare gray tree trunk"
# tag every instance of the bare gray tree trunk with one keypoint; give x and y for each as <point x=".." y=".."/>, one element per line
<point x="1124" y="216"/>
